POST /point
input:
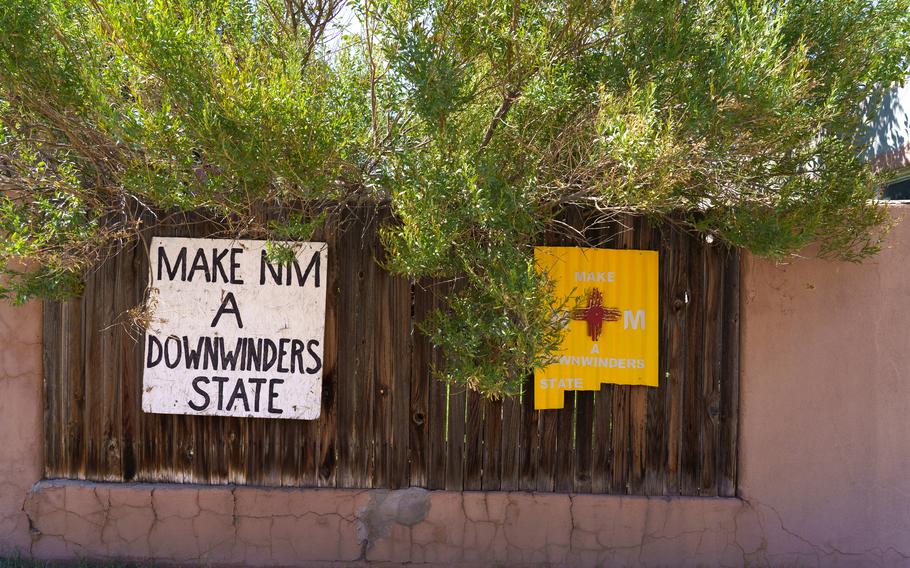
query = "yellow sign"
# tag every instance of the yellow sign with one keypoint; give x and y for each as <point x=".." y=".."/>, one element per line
<point x="612" y="320"/>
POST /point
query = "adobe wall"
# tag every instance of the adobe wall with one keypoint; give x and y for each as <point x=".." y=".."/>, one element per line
<point x="825" y="456"/>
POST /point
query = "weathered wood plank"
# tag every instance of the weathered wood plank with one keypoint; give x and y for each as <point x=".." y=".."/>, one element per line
<point x="530" y="441"/>
<point x="430" y="425"/>
<point x="621" y="439"/>
<point x="382" y="345"/>
<point x="584" y="436"/>
<point x="712" y="353"/>
<point x="690" y="463"/>
<point x="656" y="466"/>
<point x="354" y="391"/>
<point x="603" y="235"/>
<point x="641" y="239"/>
<point x="547" y="422"/>
<point x="53" y="420"/>
<point x="113" y="337"/>
<point x="91" y="389"/>
<point x="729" y="406"/>
<point x="492" y="445"/>
<point x="602" y="441"/>
<point x="455" y="439"/>
<point x="510" y="447"/>
<point x="132" y="352"/>
<point x="327" y="446"/>
<point x="436" y="425"/>
<point x="564" y="470"/>
<point x="624" y="441"/>
<point x="678" y="316"/>
<point x="399" y="360"/>
<point x="418" y="405"/>
<point x="473" y="450"/>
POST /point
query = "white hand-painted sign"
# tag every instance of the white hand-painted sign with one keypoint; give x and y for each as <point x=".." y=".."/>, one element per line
<point x="232" y="334"/>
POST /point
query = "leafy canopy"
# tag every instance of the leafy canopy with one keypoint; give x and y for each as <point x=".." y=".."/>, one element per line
<point x="476" y="121"/>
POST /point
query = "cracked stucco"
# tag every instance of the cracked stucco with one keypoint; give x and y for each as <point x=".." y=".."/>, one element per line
<point x="250" y="526"/>
<point x="824" y="456"/>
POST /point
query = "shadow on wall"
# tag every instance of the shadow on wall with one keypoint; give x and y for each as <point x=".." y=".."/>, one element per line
<point x="889" y="130"/>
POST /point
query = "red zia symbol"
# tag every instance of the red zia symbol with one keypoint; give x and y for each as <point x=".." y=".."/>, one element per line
<point x="595" y="314"/>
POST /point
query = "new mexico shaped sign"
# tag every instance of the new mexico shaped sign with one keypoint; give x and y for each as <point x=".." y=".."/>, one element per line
<point x="612" y="334"/>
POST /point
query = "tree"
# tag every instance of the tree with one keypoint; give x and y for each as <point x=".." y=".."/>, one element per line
<point x="476" y="121"/>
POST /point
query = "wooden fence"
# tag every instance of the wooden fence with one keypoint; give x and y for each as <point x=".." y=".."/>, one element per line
<point x="386" y="422"/>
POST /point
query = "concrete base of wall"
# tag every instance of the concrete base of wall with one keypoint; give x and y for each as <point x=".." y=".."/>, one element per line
<point x="276" y="527"/>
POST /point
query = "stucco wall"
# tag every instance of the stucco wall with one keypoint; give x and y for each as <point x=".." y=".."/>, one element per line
<point x="824" y="464"/>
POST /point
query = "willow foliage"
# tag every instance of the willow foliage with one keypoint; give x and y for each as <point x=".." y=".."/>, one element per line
<point x="475" y="120"/>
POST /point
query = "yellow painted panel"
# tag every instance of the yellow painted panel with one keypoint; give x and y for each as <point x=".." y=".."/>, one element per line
<point x="612" y="334"/>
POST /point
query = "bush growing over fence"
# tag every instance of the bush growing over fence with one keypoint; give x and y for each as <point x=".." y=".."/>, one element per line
<point x="476" y="121"/>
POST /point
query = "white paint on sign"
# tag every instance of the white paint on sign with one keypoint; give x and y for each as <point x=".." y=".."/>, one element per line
<point x="232" y="334"/>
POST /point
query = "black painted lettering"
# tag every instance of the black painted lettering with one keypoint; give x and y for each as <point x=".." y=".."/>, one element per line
<point x="258" y="383"/>
<point x="312" y="266"/>
<point x="220" y="381"/>
<point x="171" y="363"/>
<point x="275" y="272"/>
<point x="254" y="356"/>
<point x="217" y="267"/>
<point x="229" y="358"/>
<point x="228" y="309"/>
<point x="192" y="356"/>
<point x="273" y="395"/>
<point x="235" y="264"/>
<point x="210" y="360"/>
<point x="270" y="354"/>
<point x="282" y="351"/>
<point x="316" y="359"/>
<point x="153" y="352"/>
<point x="200" y="262"/>
<point x="296" y="355"/>
<point x="179" y="264"/>
<point x="239" y="393"/>
<point x="205" y="396"/>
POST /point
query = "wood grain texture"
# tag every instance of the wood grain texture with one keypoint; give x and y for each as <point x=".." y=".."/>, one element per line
<point x="386" y="420"/>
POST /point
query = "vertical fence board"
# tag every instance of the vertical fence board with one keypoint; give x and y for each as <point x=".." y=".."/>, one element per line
<point x="564" y="468"/>
<point x="383" y="368"/>
<point x="430" y="425"/>
<point x="640" y="238"/>
<point x="473" y="449"/>
<point x="53" y="350"/>
<point x="421" y="354"/>
<point x="678" y="314"/>
<point x="690" y="464"/>
<point x="511" y="444"/>
<point x="729" y="408"/>
<point x="602" y="451"/>
<point x="327" y="443"/>
<point x="132" y="348"/>
<point x="455" y="439"/>
<point x="530" y="439"/>
<point x="624" y="442"/>
<point x="399" y="367"/>
<point x="349" y="391"/>
<point x="492" y="445"/>
<point x="602" y="441"/>
<point x="712" y="352"/>
<point x="437" y="424"/>
<point x="584" y="435"/>
<point x="657" y="455"/>
<point x="547" y="422"/>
